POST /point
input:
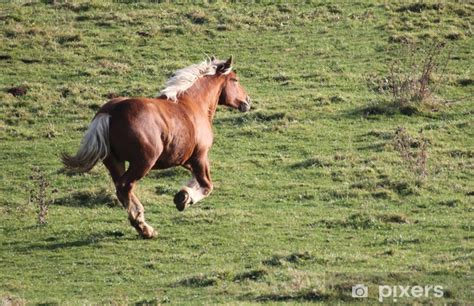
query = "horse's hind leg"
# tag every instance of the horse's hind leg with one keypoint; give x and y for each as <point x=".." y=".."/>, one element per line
<point x="125" y="185"/>
<point x="115" y="167"/>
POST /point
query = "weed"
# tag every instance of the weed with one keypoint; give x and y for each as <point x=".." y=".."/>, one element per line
<point x="40" y="193"/>
<point x="414" y="151"/>
<point x="415" y="75"/>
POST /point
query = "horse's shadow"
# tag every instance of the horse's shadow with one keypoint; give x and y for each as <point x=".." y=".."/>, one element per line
<point x="89" y="198"/>
<point x="168" y="173"/>
<point x="50" y="244"/>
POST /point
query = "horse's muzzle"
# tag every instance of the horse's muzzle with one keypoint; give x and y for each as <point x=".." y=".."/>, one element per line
<point x="245" y="105"/>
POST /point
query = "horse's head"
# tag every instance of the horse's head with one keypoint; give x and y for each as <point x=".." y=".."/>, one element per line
<point x="233" y="94"/>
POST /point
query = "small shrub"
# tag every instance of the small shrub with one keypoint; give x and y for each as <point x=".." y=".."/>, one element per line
<point x="414" y="77"/>
<point x="413" y="150"/>
<point x="421" y="85"/>
<point x="40" y="193"/>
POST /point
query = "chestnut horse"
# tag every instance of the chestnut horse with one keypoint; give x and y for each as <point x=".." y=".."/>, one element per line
<point x="174" y="129"/>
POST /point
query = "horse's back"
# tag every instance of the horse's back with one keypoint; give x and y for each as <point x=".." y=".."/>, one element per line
<point x="151" y="129"/>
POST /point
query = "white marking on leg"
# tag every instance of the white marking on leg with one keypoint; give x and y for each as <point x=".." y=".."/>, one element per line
<point x="196" y="193"/>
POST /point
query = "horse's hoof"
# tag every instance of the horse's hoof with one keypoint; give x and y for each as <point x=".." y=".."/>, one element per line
<point x="181" y="200"/>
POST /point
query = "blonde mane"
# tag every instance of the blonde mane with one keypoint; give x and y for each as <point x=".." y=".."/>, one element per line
<point x="184" y="78"/>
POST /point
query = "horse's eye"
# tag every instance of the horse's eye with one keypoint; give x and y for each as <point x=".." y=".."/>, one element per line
<point x="234" y="80"/>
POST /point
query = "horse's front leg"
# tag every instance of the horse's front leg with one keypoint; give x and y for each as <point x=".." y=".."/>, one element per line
<point x="199" y="187"/>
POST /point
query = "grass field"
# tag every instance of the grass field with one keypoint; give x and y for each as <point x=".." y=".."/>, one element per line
<point x="311" y="194"/>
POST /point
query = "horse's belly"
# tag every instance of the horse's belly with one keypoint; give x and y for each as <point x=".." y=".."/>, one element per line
<point x="174" y="155"/>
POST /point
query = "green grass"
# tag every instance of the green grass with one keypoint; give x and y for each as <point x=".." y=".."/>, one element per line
<point x="310" y="195"/>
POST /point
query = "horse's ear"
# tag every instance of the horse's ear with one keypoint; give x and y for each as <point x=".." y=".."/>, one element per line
<point x="226" y="67"/>
<point x="228" y="64"/>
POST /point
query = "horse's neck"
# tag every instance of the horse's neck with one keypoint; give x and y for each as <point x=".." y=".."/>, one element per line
<point x="205" y="92"/>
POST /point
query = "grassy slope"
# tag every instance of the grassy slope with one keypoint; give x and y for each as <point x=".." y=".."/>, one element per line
<point x="306" y="185"/>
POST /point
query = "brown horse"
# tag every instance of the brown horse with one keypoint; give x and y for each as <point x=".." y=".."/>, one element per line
<point x="173" y="129"/>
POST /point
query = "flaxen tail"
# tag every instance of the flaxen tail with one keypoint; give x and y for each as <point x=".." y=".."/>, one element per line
<point x="94" y="146"/>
